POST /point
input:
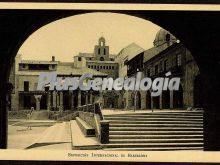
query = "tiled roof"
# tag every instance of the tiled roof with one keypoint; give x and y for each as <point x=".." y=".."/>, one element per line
<point x="150" y="53"/>
<point x="131" y="50"/>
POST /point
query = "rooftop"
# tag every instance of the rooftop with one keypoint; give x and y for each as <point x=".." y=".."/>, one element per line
<point x="131" y="50"/>
<point x="150" y="53"/>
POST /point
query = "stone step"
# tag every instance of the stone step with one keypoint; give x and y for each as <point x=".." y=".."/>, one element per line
<point x="167" y="111"/>
<point x="164" y="148"/>
<point x="155" y="141"/>
<point x="154" y="129"/>
<point x="86" y="128"/>
<point x="152" y="145"/>
<point x="153" y="122"/>
<point x="156" y="115"/>
<point x="157" y="132"/>
<point x="151" y="119"/>
<point x="154" y="136"/>
<point x="157" y="125"/>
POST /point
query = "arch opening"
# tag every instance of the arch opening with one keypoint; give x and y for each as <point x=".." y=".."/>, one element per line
<point x="177" y="102"/>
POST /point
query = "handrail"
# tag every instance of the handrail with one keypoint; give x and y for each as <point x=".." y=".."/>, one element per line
<point x="93" y="108"/>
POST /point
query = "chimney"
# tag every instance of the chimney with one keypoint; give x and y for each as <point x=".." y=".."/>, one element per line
<point x="53" y="58"/>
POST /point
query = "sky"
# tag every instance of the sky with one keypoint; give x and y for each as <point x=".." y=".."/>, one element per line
<point x="67" y="37"/>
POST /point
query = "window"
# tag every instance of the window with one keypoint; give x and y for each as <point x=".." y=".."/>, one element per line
<point x="168" y="37"/>
<point x="148" y="72"/>
<point x="165" y="65"/>
<point x="26" y="85"/>
<point x="23" y="66"/>
<point x="106" y="67"/>
<point x="156" y="69"/>
<point x="94" y="66"/>
<point x="101" y="59"/>
<point x="79" y="59"/>
<point x="88" y="66"/>
<point x="35" y="86"/>
<point x="113" y="67"/>
<point x="91" y="66"/>
<point x="53" y="66"/>
<point x="38" y="66"/>
<point x="178" y="60"/>
<point x="100" y="67"/>
<point x="104" y="51"/>
<point x="103" y="67"/>
<point x="99" y="51"/>
<point x="161" y="66"/>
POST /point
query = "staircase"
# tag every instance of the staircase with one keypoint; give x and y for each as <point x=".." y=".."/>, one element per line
<point x="173" y="130"/>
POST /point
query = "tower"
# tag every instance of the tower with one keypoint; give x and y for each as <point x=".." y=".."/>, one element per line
<point x="101" y="51"/>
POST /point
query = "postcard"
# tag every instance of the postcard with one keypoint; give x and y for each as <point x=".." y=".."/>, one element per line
<point x="109" y="82"/>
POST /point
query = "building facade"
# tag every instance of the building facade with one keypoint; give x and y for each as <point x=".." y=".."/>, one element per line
<point x="167" y="55"/>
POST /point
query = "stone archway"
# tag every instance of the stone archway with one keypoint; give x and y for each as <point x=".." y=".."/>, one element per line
<point x="138" y="99"/>
<point x="204" y="48"/>
<point x="148" y="100"/>
<point x="156" y="102"/>
<point x="178" y="98"/>
<point x="166" y="99"/>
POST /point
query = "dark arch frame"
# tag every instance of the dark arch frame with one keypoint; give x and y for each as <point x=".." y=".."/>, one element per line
<point x="187" y="26"/>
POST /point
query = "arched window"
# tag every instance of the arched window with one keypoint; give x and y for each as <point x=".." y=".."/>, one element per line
<point x="102" y="43"/>
<point x="99" y="51"/>
<point x="168" y="37"/>
<point x="101" y="59"/>
<point x="104" y="51"/>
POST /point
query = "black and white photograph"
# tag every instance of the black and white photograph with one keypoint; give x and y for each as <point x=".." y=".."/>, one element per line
<point x="110" y="81"/>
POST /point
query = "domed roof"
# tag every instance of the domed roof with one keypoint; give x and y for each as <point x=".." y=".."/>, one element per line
<point x="102" y="41"/>
<point x="164" y="36"/>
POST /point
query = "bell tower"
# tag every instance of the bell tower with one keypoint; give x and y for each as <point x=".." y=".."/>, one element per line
<point x="101" y="51"/>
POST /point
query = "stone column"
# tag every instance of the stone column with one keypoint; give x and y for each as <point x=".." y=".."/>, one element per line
<point x="143" y="100"/>
<point x="90" y="97"/>
<point x="71" y="99"/>
<point x="48" y="101"/>
<point x="128" y="100"/>
<point x="61" y="101"/>
<point x="54" y="99"/>
<point x="101" y="98"/>
<point x="87" y="97"/>
<point x="161" y="101"/>
<point x="171" y="99"/>
<point x="152" y="102"/>
<point x="79" y="98"/>
<point x="37" y="98"/>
